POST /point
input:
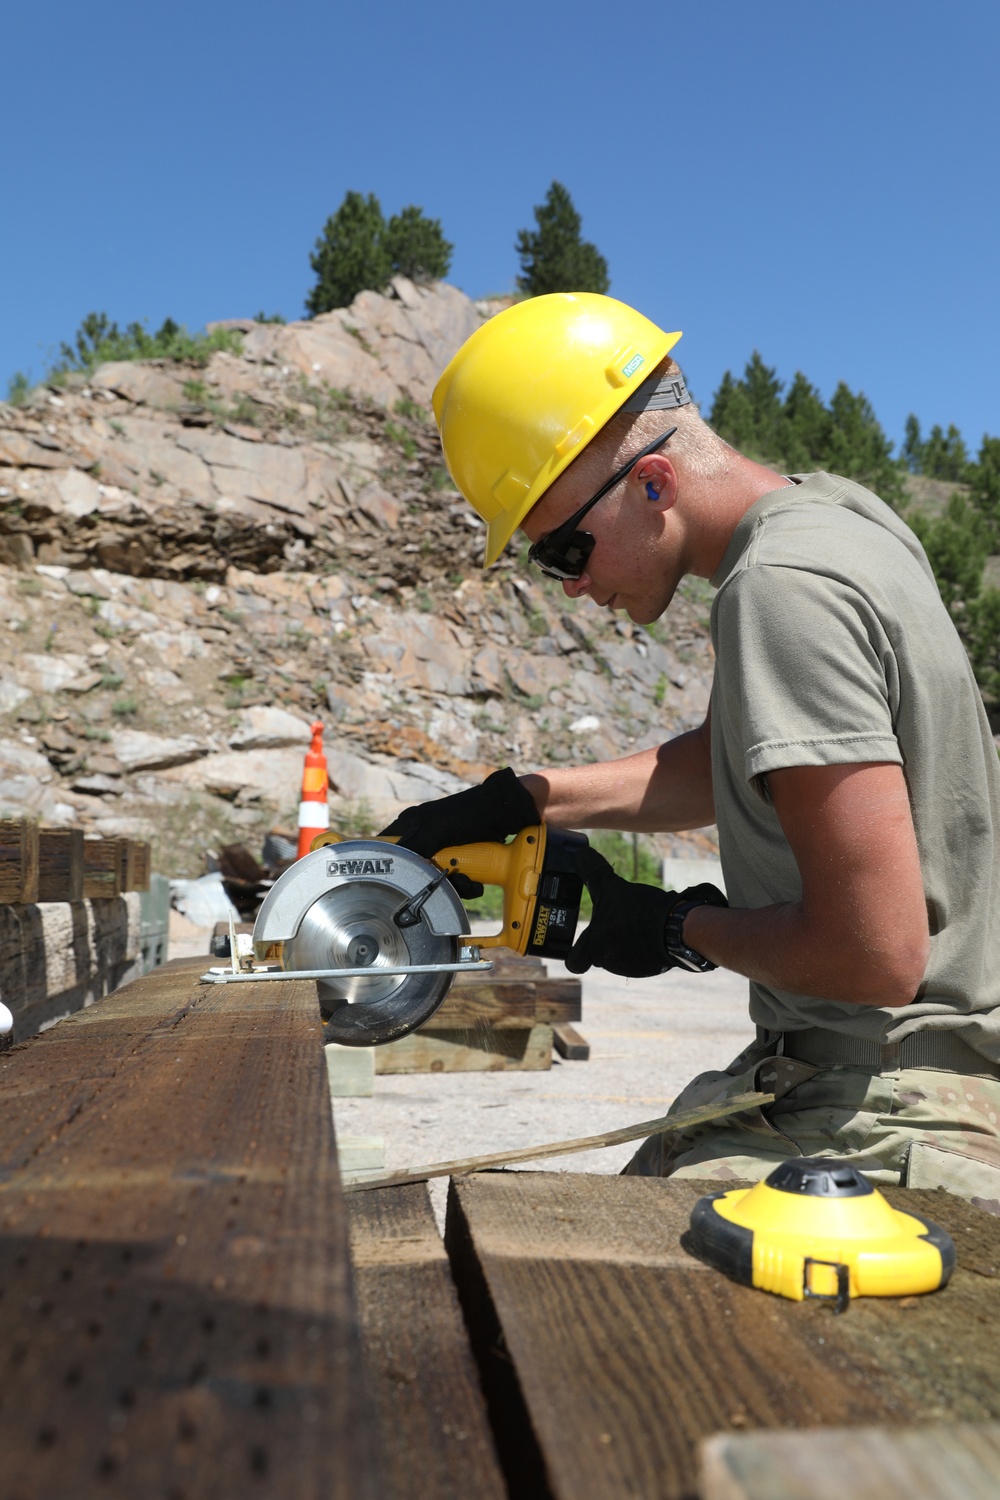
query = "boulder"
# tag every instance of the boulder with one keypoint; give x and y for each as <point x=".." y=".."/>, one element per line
<point x="138" y="751"/>
<point x="264" y="727"/>
<point x="145" y="384"/>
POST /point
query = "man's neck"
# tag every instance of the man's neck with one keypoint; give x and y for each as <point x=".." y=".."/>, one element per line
<point x="721" y="506"/>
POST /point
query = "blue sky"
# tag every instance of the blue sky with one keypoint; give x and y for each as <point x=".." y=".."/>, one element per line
<point x="817" y="180"/>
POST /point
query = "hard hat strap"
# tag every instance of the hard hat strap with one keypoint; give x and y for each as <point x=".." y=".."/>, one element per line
<point x="659" y="393"/>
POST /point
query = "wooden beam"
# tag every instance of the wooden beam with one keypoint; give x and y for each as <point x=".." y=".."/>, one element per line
<point x="60" y="864"/>
<point x="173" y="1252"/>
<point x="622" y="1352"/>
<point x="502" y="1001"/>
<point x="569" y="1043"/>
<point x="436" y="1438"/>
<point x="940" y="1462"/>
<point x="18" y="860"/>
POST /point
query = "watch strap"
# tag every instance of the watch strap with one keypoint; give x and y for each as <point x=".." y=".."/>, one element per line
<point x="673" y="938"/>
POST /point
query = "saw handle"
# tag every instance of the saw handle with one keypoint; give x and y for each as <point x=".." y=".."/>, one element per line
<point x="515" y="868"/>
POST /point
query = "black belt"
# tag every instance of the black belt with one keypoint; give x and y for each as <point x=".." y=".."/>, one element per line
<point x="943" y="1051"/>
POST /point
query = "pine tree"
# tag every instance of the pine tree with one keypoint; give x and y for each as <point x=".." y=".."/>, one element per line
<point x="350" y="255"/>
<point x="944" y="455"/>
<point x="806" y="427"/>
<point x="912" y="452"/>
<point x="553" y="256"/>
<point x="858" y="447"/>
<point x="416" y="246"/>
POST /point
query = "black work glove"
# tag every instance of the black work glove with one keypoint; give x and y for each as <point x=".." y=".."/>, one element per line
<point x="487" y="813"/>
<point x="627" y="934"/>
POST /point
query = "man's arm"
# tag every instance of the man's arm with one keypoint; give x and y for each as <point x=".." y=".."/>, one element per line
<point x="661" y="790"/>
<point x="860" y="933"/>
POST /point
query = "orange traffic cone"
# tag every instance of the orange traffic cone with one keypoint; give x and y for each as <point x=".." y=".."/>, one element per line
<point x="314" y="812"/>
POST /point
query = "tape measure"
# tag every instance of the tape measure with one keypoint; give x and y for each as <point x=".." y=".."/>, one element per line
<point x="815" y="1227"/>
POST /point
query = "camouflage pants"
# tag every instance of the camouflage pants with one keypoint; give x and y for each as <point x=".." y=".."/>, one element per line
<point x="916" y="1126"/>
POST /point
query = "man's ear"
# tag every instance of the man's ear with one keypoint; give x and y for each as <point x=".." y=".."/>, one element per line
<point x="657" y="479"/>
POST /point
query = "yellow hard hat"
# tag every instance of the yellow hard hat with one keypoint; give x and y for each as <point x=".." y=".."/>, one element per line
<point x="529" y="390"/>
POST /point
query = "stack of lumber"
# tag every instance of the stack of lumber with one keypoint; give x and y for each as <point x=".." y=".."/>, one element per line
<point x="59" y="864"/>
<point x="71" y="919"/>
<point x="505" y="1019"/>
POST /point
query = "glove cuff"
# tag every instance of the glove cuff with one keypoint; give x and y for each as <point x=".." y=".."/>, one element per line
<point x="512" y="803"/>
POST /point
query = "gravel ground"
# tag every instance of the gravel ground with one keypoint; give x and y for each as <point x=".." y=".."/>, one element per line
<point x="647" y="1038"/>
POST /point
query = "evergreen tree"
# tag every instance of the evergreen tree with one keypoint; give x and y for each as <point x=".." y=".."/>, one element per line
<point x="747" y="412"/>
<point x="858" y="447"/>
<point x="984" y="486"/>
<point x="350" y="255"/>
<point x="944" y="455"/>
<point x="416" y="246"/>
<point x="957" y="544"/>
<point x="912" y="452"/>
<point x="807" y="427"/>
<point x="732" y="414"/>
<point x="553" y="256"/>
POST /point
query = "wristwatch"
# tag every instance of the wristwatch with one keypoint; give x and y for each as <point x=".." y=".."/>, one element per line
<point x="673" y="938"/>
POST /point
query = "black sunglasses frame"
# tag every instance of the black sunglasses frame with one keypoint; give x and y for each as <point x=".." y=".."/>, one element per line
<point x="563" y="553"/>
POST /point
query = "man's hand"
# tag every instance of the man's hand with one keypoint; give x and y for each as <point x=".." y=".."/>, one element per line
<point x="488" y="813"/>
<point x="627" y="931"/>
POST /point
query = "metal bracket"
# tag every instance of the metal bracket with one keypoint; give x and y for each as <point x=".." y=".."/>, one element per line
<point x="463" y="966"/>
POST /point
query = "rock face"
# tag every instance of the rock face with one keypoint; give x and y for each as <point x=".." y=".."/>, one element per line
<point x="196" y="563"/>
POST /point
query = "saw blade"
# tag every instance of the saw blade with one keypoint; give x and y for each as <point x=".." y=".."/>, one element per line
<point x="353" y="926"/>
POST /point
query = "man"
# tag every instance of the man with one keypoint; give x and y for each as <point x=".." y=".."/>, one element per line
<point x="846" y="756"/>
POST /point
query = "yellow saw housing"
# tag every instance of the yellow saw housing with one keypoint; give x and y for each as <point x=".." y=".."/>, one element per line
<point x="815" y="1227"/>
<point x="537" y="874"/>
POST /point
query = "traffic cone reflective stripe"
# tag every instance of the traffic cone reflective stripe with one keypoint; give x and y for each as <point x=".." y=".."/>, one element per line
<point x="314" y="812"/>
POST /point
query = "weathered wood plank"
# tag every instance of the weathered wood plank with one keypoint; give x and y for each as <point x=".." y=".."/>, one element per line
<point x="134" y="865"/>
<point x="102" y="860"/>
<point x="601" y="1312"/>
<point x="18" y="860"/>
<point x="436" y="1438"/>
<point x="60" y="864"/>
<point x="960" y="1462"/>
<point x="476" y="1050"/>
<point x="173" y="1253"/>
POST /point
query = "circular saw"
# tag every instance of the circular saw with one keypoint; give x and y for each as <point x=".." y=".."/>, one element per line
<point x="383" y="931"/>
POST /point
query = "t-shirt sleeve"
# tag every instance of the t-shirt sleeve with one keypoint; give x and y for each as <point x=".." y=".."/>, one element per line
<point x="804" y="668"/>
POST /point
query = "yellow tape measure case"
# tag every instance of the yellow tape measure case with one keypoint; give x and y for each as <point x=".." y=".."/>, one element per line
<point x="815" y="1227"/>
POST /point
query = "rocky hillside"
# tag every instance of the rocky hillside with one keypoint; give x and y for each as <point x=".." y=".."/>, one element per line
<point x="195" y="561"/>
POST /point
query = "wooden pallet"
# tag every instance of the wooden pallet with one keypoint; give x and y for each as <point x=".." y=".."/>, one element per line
<point x="498" y="1022"/>
<point x="469" y="1050"/>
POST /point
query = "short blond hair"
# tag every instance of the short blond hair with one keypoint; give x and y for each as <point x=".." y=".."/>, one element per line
<point x="699" y="450"/>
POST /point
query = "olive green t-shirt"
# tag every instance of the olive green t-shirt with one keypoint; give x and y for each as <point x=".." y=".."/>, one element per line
<point x="833" y="646"/>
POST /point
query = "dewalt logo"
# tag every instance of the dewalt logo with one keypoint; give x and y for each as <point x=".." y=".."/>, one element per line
<point x="360" y="866"/>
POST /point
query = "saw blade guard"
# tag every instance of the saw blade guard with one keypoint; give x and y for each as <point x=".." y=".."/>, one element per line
<point x="338" y="908"/>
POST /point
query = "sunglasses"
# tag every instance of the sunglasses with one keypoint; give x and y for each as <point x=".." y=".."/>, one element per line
<point x="563" y="553"/>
